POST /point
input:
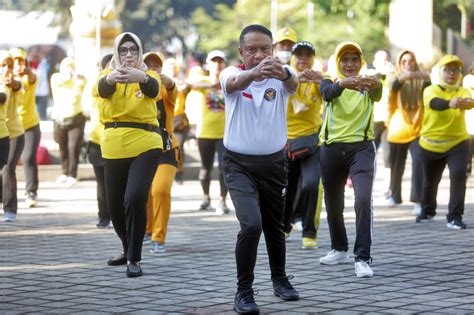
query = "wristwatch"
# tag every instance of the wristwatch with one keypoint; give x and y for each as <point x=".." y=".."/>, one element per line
<point x="288" y="75"/>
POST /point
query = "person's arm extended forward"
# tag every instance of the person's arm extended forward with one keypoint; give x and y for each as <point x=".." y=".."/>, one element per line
<point x="240" y="81"/>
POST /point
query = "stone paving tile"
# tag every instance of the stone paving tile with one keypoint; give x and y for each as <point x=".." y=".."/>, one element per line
<point x="197" y="274"/>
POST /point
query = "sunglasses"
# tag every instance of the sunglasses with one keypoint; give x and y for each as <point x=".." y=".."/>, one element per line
<point x="123" y="51"/>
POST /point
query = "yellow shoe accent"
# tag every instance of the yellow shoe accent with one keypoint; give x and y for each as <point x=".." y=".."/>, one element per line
<point x="309" y="243"/>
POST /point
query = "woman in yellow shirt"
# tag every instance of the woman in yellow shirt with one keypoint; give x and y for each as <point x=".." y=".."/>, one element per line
<point x="159" y="198"/>
<point x="31" y="123"/>
<point x="406" y="87"/>
<point x="210" y="127"/>
<point x="444" y="140"/>
<point x="69" y="122"/>
<point x="17" y="139"/>
<point x="131" y="144"/>
<point x="4" y="139"/>
<point x="304" y="195"/>
<point x="468" y="83"/>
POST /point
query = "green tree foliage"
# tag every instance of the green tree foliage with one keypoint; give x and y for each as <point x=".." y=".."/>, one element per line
<point x="334" y="21"/>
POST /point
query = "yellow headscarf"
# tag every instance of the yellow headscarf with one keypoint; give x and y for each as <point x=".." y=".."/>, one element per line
<point x="442" y="63"/>
<point x="346" y="47"/>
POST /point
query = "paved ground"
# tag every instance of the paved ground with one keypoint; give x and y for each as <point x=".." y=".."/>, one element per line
<point x="53" y="260"/>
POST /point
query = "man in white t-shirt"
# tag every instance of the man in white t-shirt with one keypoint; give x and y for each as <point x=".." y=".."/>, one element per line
<point x="255" y="166"/>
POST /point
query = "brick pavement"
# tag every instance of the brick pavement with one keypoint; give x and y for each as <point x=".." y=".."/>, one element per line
<point x="53" y="260"/>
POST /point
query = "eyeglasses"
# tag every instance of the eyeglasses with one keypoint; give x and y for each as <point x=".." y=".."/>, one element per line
<point x="123" y="51"/>
<point x="452" y="70"/>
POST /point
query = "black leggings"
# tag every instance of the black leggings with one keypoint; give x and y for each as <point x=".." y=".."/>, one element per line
<point x="207" y="151"/>
<point x="95" y="158"/>
<point x="9" y="184"/>
<point x="127" y="182"/>
<point x="433" y="166"/>
<point x="28" y="158"/>
<point x="69" y="139"/>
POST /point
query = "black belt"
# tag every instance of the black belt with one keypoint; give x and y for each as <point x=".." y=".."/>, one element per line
<point x="129" y="124"/>
<point x="148" y="127"/>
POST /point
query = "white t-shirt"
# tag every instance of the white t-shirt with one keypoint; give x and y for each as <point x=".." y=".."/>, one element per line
<point x="255" y="118"/>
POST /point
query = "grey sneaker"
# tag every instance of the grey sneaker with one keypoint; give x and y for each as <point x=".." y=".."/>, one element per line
<point x="456" y="224"/>
<point x="222" y="208"/>
<point x="206" y="204"/>
<point x="9" y="216"/>
<point x="157" y="247"/>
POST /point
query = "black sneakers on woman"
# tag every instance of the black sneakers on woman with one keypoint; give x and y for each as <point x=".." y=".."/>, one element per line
<point x="284" y="290"/>
<point x="244" y="303"/>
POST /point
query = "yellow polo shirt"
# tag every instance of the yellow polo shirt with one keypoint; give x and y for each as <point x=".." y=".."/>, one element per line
<point x="129" y="104"/>
<point x="27" y="104"/>
<point x="3" y="110"/>
<point x="443" y="129"/>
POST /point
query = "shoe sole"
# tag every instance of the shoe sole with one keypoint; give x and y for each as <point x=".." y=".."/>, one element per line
<point x="365" y="276"/>
<point x="157" y="251"/>
<point x="337" y="262"/>
<point x="291" y="298"/>
<point x="245" y="312"/>
<point x="309" y="247"/>
<point x="134" y="274"/>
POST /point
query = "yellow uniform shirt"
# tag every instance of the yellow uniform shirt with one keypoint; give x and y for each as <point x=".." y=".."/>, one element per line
<point x="96" y="126"/>
<point x="67" y="96"/>
<point x="210" y="111"/>
<point x="3" y="109"/>
<point x="15" y="128"/>
<point x="304" y="111"/>
<point x="442" y="129"/>
<point x="27" y="104"/>
<point x="129" y="104"/>
<point x="179" y="108"/>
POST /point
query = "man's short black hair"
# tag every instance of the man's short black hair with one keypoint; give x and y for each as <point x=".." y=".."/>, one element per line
<point x="254" y="28"/>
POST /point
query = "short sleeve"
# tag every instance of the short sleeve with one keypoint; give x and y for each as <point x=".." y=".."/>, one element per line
<point x="224" y="76"/>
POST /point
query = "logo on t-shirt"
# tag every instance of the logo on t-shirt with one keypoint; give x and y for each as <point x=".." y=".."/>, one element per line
<point x="270" y="94"/>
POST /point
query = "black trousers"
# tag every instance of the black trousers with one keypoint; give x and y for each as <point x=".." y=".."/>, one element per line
<point x="433" y="166"/>
<point x="9" y="183"/>
<point x="304" y="196"/>
<point x="127" y="182"/>
<point x="338" y="161"/>
<point x="70" y="139"/>
<point x="95" y="158"/>
<point x="207" y="151"/>
<point x="257" y="186"/>
<point x="398" y="156"/>
<point x="4" y="151"/>
<point x="28" y="158"/>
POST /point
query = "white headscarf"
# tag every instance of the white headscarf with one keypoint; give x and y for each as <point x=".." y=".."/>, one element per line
<point x="115" y="62"/>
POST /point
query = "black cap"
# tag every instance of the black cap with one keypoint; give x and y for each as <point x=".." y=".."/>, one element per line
<point x="303" y="44"/>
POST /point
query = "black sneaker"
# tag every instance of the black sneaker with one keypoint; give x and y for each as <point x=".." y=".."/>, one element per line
<point x="424" y="218"/>
<point x="456" y="224"/>
<point x="206" y="204"/>
<point x="284" y="290"/>
<point x="244" y="303"/>
<point x="103" y="224"/>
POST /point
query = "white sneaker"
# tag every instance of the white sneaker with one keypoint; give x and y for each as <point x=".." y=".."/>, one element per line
<point x="61" y="179"/>
<point x="335" y="257"/>
<point x="9" y="216"/>
<point x="390" y="203"/>
<point x="222" y="208"/>
<point x="70" y="181"/>
<point x="416" y="209"/>
<point x="363" y="270"/>
<point x="298" y="226"/>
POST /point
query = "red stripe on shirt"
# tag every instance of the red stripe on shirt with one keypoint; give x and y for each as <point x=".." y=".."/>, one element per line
<point x="247" y="95"/>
